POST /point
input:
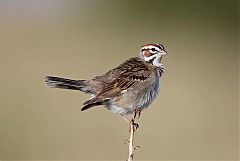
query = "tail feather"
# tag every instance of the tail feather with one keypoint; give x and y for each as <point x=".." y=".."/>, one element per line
<point x="87" y="106"/>
<point x="57" y="82"/>
<point x="80" y="85"/>
<point x="93" y="102"/>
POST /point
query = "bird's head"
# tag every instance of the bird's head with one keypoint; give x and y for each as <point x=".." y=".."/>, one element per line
<point x="152" y="53"/>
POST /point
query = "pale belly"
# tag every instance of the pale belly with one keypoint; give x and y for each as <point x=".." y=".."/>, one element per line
<point x="130" y="101"/>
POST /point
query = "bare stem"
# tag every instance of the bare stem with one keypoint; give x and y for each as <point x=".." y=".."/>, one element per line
<point x="131" y="148"/>
<point x="130" y="143"/>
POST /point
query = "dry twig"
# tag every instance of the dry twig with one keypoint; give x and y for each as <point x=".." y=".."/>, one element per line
<point x="133" y="127"/>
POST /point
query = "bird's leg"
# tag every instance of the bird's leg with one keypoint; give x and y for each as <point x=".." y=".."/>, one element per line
<point x="137" y="114"/>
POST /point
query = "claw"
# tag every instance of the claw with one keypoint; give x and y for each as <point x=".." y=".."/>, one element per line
<point x="135" y="125"/>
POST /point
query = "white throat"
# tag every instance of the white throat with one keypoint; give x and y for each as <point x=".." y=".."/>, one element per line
<point x="156" y="61"/>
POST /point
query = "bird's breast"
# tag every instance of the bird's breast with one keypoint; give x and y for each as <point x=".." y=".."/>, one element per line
<point x="150" y="93"/>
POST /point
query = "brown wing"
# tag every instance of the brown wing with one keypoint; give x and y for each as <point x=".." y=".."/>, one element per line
<point x="133" y="72"/>
<point x="99" y="82"/>
<point x="124" y="81"/>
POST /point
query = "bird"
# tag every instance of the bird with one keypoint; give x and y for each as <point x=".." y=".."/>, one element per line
<point x="132" y="86"/>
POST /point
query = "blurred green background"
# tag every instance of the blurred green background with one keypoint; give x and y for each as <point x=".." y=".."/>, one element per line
<point x="195" y="116"/>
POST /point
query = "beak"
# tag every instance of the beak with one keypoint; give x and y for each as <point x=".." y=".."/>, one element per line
<point x="164" y="53"/>
<point x="161" y="55"/>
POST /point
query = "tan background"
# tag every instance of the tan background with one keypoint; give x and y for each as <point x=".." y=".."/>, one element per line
<point x="194" y="118"/>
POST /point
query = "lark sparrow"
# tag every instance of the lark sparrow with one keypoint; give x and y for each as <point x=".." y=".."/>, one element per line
<point x="131" y="86"/>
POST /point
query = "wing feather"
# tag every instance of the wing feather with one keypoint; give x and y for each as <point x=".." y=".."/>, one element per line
<point x="134" y="73"/>
<point x="127" y="76"/>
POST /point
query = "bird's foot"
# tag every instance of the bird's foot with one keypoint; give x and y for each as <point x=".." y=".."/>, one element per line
<point x="134" y="125"/>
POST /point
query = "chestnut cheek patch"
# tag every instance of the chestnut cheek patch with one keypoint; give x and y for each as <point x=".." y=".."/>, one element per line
<point x="147" y="53"/>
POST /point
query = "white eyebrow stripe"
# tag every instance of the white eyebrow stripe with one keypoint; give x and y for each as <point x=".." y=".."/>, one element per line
<point x="150" y="46"/>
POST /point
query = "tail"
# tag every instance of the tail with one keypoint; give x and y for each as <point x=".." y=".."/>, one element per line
<point x="57" y="82"/>
<point x="93" y="102"/>
<point x="80" y="85"/>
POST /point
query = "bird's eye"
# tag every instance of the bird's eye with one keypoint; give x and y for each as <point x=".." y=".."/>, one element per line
<point x="153" y="49"/>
